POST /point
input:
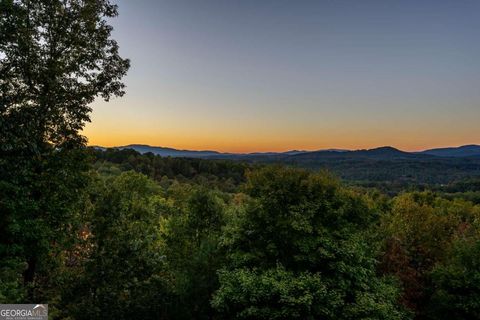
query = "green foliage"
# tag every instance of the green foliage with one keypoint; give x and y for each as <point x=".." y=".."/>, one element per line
<point x="41" y="200"/>
<point x="455" y="288"/>
<point x="280" y="294"/>
<point x="11" y="289"/>
<point x="302" y="239"/>
<point x="274" y="294"/>
<point x="395" y="175"/>
<point x="420" y="232"/>
<point x="56" y="57"/>
<point x="191" y="237"/>
<point x="225" y="175"/>
<point x="468" y="189"/>
<point x="123" y="273"/>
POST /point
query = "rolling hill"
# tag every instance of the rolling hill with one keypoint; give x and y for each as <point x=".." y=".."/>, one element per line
<point x="463" y="151"/>
<point x="380" y="153"/>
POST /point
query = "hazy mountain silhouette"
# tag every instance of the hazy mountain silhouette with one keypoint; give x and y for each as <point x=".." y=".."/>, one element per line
<point x="463" y="151"/>
<point x="376" y="153"/>
<point x="170" y="152"/>
<point x="380" y="153"/>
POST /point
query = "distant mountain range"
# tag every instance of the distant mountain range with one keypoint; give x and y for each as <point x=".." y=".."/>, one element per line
<point x="383" y="167"/>
<point x="381" y="153"/>
<point x="463" y="151"/>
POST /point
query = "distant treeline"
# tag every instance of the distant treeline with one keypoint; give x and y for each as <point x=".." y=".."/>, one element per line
<point x="450" y="176"/>
<point x="402" y="171"/>
<point x="225" y="175"/>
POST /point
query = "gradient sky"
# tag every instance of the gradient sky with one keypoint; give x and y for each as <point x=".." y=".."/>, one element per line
<point x="258" y="75"/>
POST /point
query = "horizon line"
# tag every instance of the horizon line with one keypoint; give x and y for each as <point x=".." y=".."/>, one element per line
<point x="283" y="151"/>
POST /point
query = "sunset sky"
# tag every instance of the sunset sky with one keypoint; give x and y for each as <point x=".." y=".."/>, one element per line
<point x="276" y="75"/>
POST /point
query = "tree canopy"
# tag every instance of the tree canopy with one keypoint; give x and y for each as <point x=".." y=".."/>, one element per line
<point x="56" y="57"/>
<point x="101" y="234"/>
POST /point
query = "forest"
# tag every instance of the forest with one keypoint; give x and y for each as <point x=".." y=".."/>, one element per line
<point x="114" y="234"/>
<point x="149" y="237"/>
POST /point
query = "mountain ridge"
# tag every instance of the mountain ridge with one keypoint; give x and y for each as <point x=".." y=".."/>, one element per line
<point x="383" y="152"/>
<point x="461" y="151"/>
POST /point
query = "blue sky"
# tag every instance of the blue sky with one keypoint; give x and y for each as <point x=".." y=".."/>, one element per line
<point x="279" y="75"/>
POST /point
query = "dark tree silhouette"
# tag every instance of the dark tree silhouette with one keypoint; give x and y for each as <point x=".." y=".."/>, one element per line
<point x="56" y="57"/>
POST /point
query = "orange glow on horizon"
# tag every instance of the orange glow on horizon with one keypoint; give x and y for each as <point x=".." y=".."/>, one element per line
<point x="119" y="124"/>
<point x="213" y="82"/>
<point x="247" y="146"/>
